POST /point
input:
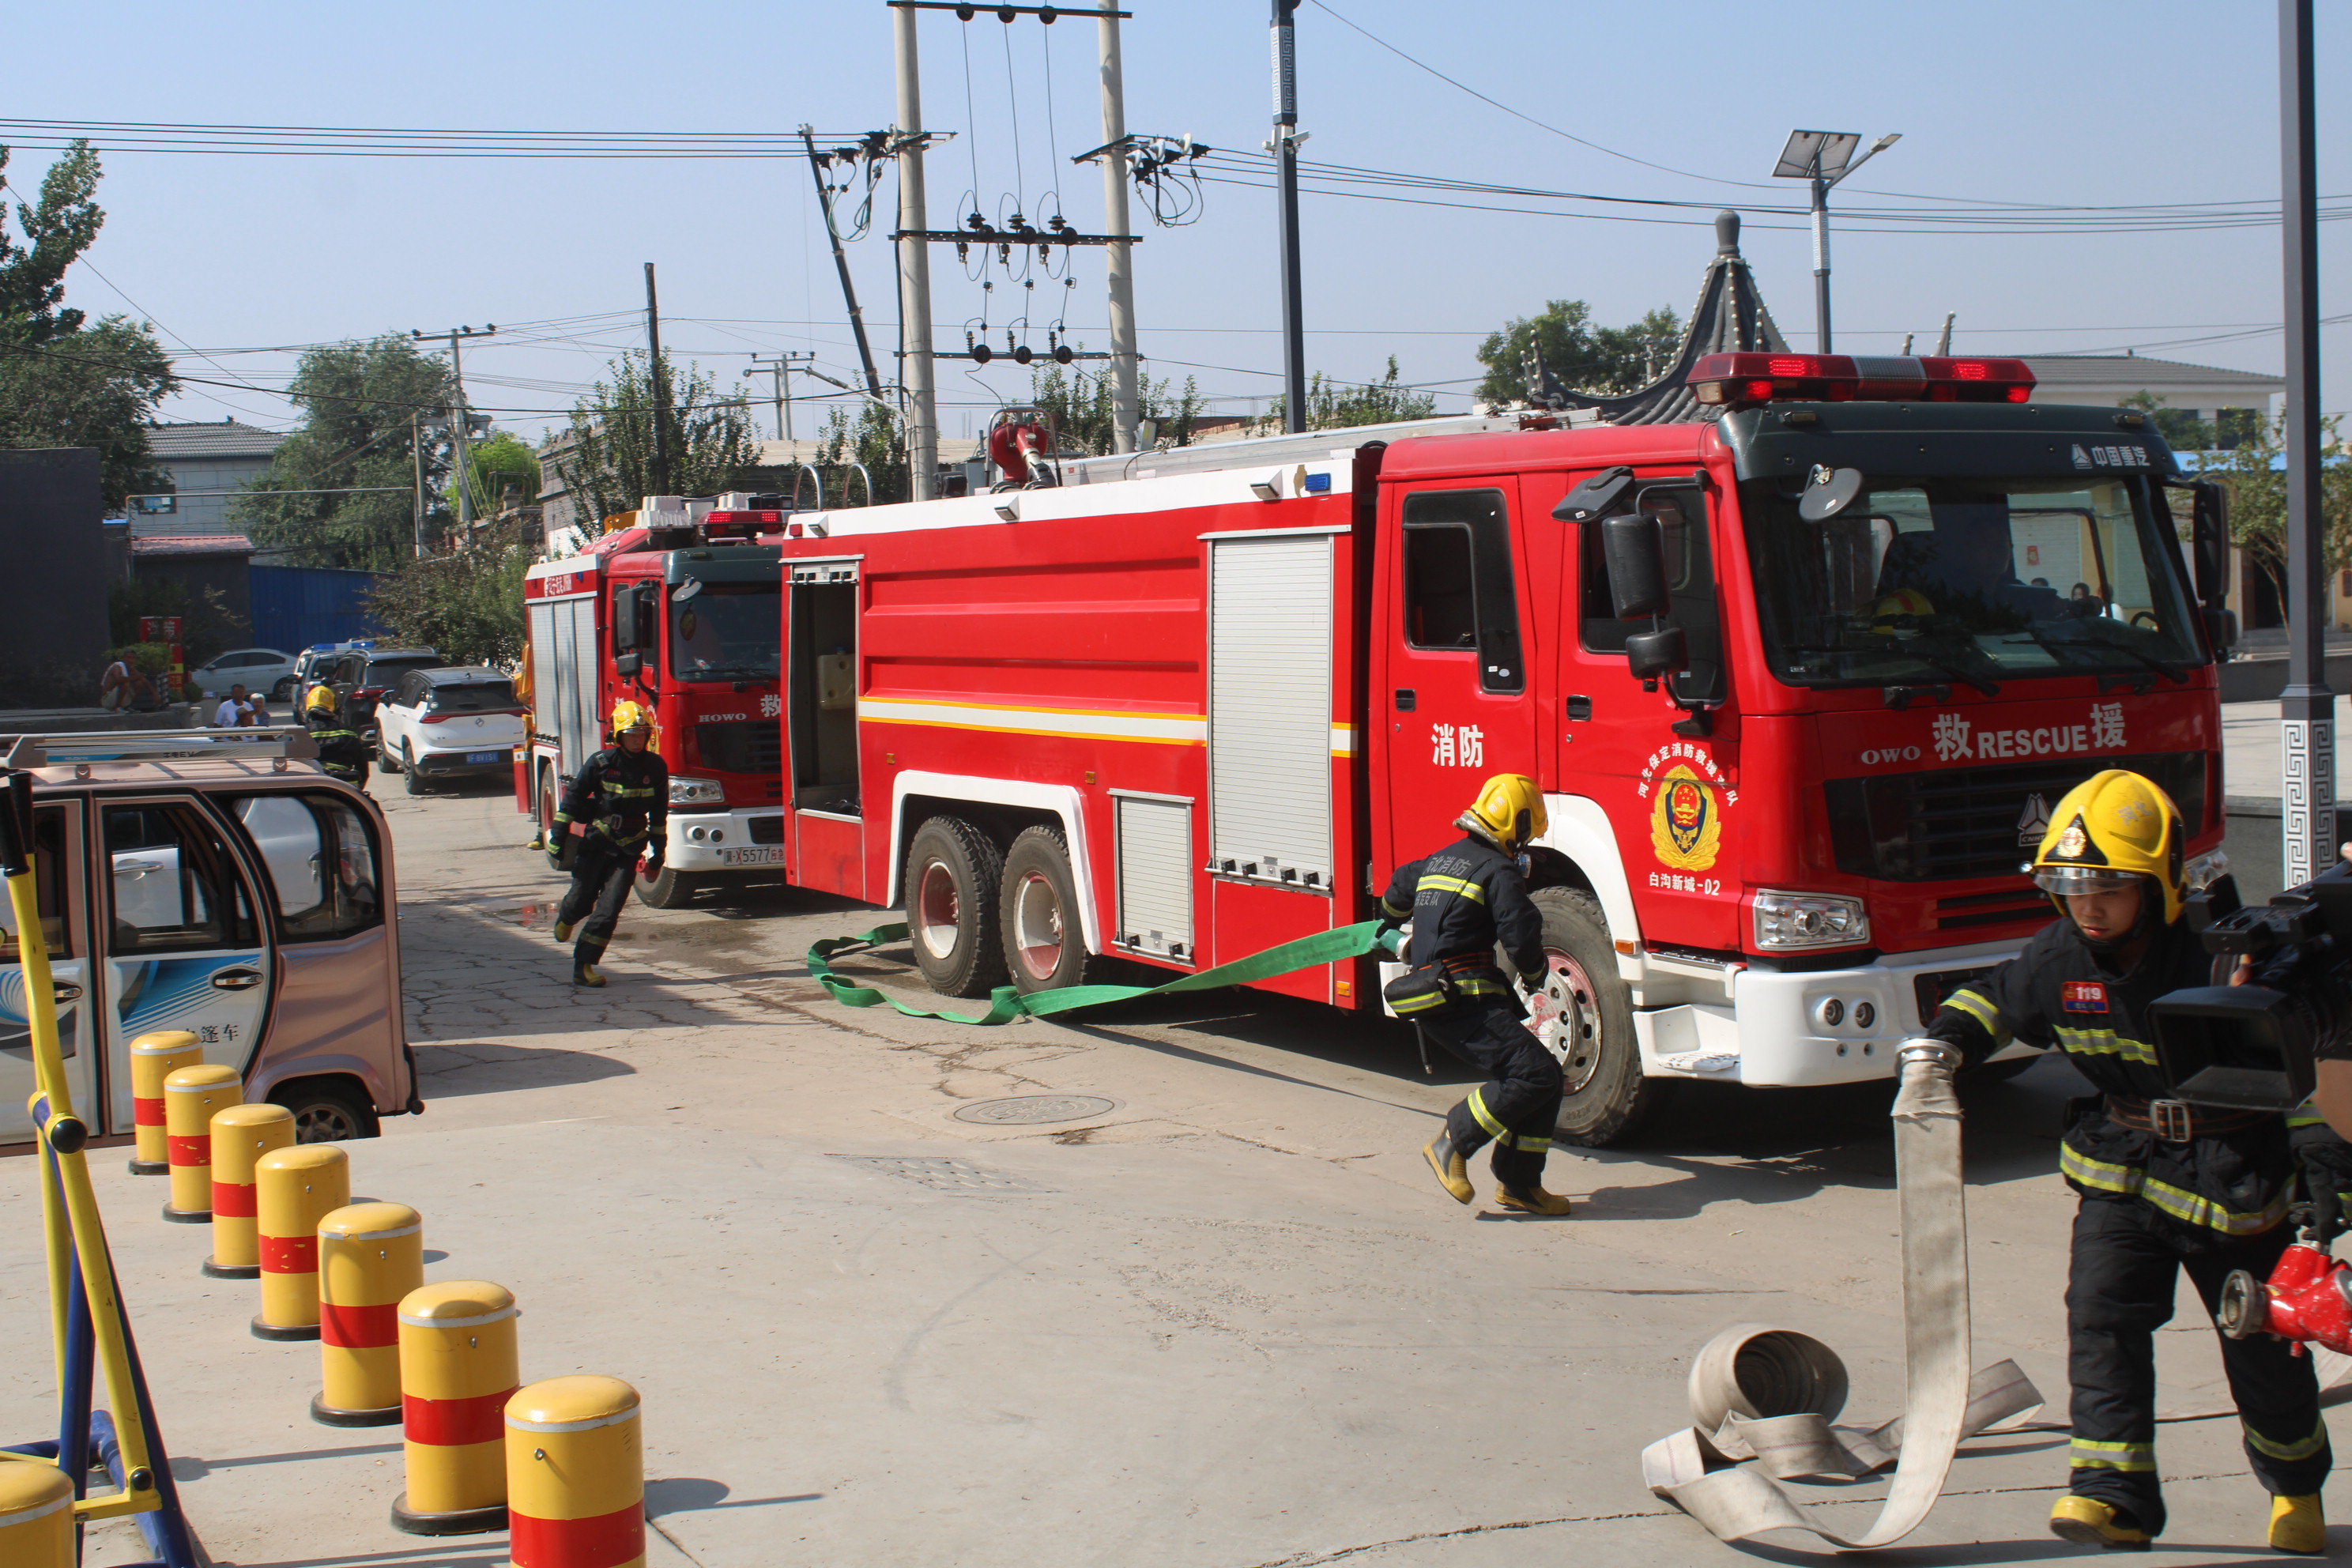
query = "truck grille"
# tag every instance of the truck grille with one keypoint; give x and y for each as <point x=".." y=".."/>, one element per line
<point x="767" y="830"/>
<point x="2024" y="903"/>
<point x="742" y="746"/>
<point x="1955" y="824"/>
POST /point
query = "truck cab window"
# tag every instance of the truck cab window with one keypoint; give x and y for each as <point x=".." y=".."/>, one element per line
<point x="1681" y="507"/>
<point x="1459" y="591"/>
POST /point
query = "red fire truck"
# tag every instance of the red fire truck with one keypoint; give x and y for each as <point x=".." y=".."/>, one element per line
<point x="674" y="607"/>
<point x="1801" y="682"/>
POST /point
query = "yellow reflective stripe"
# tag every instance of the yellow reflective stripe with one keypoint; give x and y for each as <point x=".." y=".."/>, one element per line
<point x="628" y="792"/>
<point x="1982" y="1010"/>
<point x="1480" y="988"/>
<point x="1393" y="910"/>
<point x="2182" y="1204"/>
<point x="2105" y="1043"/>
<point x="1477" y="1104"/>
<point x="563" y="817"/>
<point x="2306" y="1114"/>
<point x="2084" y="1454"/>
<point x="2301" y="1449"/>
<point x="2078" y="1166"/>
<point x="1524" y="1144"/>
<point x="1419" y="1003"/>
<point x="1470" y="890"/>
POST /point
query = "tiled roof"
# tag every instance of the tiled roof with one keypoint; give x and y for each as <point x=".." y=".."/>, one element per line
<point x="2107" y="369"/>
<point x="227" y="440"/>
<point x="191" y="545"/>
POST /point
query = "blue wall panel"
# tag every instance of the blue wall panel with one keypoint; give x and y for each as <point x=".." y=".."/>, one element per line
<point x="294" y="607"/>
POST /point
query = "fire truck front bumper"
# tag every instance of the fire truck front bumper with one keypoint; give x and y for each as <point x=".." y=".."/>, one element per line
<point x="726" y="840"/>
<point x="1784" y="1029"/>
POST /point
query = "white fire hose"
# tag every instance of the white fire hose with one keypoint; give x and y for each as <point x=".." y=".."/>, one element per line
<point x="1762" y="1398"/>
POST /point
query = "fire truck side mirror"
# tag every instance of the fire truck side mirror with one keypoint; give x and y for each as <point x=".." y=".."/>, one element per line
<point x="2209" y="542"/>
<point x="1653" y="655"/>
<point x="1827" y="491"/>
<point x="1634" y="552"/>
<point x="624" y="621"/>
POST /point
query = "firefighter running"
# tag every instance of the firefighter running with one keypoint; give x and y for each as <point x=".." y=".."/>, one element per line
<point x="2163" y="1186"/>
<point x="1462" y="900"/>
<point x="622" y="794"/>
<point x="341" y="751"/>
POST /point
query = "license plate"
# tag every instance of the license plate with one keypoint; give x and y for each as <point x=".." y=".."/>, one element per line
<point x="486" y="756"/>
<point x="762" y="855"/>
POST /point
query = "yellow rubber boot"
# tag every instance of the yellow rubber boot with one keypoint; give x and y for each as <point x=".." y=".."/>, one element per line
<point x="2087" y="1521"/>
<point x="562" y="932"/>
<point x="586" y="974"/>
<point x="2298" y="1525"/>
<point x="1532" y="1200"/>
<point x="1453" y="1170"/>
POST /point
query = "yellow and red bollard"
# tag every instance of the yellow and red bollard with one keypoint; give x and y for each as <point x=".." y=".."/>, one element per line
<point x="294" y="1189"/>
<point x="457" y="1370"/>
<point x="241" y="1135"/>
<point x="369" y="1256"/>
<point x="191" y="1096"/>
<point x="153" y="1059"/>
<point x="36" y="1518"/>
<point x="575" y="1475"/>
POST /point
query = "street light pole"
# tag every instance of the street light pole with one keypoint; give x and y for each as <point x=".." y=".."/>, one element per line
<point x="1821" y="258"/>
<point x="2306" y="708"/>
<point x="1822" y="158"/>
<point x="1284" y="148"/>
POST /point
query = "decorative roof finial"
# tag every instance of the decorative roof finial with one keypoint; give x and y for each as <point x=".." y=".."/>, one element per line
<point x="1727" y="233"/>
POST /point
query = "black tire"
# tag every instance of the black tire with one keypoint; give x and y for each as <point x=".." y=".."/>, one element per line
<point x="414" y="780"/>
<point x="1044" y="940"/>
<point x="954" y="874"/>
<point x="385" y="763"/>
<point x="671" y="889"/>
<point x="1607" y="1098"/>
<point x="283" y="691"/>
<point x="325" y="1110"/>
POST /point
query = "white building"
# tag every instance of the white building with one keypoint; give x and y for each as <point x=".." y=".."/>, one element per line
<point x="206" y="465"/>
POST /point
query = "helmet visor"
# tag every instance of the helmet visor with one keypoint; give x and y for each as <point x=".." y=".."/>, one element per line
<point x="2067" y="881"/>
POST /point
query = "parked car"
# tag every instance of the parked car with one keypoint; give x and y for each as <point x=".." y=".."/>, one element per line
<point x="445" y="723"/>
<point x="184" y="881"/>
<point x="317" y="664"/>
<point x="363" y="675"/>
<point x="262" y="669"/>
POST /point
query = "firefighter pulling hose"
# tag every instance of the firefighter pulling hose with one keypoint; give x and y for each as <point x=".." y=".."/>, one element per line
<point x="622" y="793"/>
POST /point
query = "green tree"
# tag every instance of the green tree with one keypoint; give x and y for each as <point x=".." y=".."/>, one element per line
<point x="1334" y="404"/>
<point x="2254" y="473"/>
<point x="357" y="401"/>
<point x="466" y="603"/>
<point x="1080" y="404"/>
<point x="1602" y="360"/>
<point x="500" y="464"/>
<point x="610" y="465"/>
<point x="65" y="381"/>
<point x="875" y="439"/>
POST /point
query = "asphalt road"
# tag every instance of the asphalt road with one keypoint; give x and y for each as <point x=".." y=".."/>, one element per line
<point x="1225" y="1321"/>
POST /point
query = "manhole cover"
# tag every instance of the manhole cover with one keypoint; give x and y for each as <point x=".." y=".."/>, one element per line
<point x="947" y="1175"/>
<point x="1028" y="1110"/>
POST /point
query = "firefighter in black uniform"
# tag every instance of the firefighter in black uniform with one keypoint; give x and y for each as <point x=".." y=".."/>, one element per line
<point x="2163" y="1186"/>
<point x="622" y="794"/>
<point x="1462" y="901"/>
<point x="341" y="751"/>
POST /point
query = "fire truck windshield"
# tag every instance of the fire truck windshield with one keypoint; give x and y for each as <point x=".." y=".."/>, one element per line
<point x="729" y="631"/>
<point x="1970" y="580"/>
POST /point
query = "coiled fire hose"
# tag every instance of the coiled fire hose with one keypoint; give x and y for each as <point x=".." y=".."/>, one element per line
<point x="1762" y="1398"/>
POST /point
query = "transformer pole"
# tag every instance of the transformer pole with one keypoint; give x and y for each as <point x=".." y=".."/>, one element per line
<point x="1119" y="256"/>
<point x="660" y="385"/>
<point x="416" y="454"/>
<point x="2306" y="708"/>
<point x="1285" y="155"/>
<point x="915" y="364"/>
<point x="841" y="265"/>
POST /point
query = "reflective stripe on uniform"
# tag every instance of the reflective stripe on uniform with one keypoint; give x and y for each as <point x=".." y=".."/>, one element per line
<point x="1420" y="1004"/>
<point x="1434" y="884"/>
<point x="1477" y="1104"/>
<point x="2106" y="1043"/>
<point x="1524" y="1145"/>
<point x="1393" y="910"/>
<point x="2084" y="1454"/>
<point x="2306" y="1114"/>
<point x="1481" y="988"/>
<point x="2131" y="1180"/>
<point x="2303" y="1449"/>
<point x="628" y="792"/>
<point x="1982" y="1009"/>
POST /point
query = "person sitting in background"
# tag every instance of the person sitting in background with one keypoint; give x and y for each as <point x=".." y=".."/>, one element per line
<point x="123" y="686"/>
<point x="233" y="711"/>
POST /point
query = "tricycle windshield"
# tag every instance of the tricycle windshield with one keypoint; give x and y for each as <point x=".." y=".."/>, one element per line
<point x="1931" y="581"/>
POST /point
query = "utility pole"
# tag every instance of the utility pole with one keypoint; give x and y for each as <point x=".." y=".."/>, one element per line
<point x="461" y="464"/>
<point x="416" y="505"/>
<point x="1821" y="159"/>
<point x="1119" y="254"/>
<point x="840" y="264"/>
<point x="2306" y="708"/>
<point x="1284" y="148"/>
<point x="660" y="385"/>
<point x="914" y="366"/>
<point x="1944" y="339"/>
<point x="778" y="370"/>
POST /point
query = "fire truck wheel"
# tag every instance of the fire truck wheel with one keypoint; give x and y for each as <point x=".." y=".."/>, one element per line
<point x="673" y="889"/>
<point x="954" y="871"/>
<point x="1045" y="942"/>
<point x="1584" y="1015"/>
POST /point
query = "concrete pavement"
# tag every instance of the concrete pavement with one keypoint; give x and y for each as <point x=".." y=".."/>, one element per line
<point x="1226" y="1323"/>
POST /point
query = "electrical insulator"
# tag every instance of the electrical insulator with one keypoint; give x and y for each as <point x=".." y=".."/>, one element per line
<point x="1022" y="354"/>
<point x="1062" y="354"/>
<point x="982" y="353"/>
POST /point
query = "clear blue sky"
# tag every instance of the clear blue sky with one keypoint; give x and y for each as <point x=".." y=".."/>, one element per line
<point x="2075" y="103"/>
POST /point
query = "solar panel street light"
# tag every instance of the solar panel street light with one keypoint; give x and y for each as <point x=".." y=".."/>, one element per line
<point x="1825" y="157"/>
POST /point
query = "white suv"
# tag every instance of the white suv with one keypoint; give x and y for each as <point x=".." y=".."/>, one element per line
<point x="445" y="723"/>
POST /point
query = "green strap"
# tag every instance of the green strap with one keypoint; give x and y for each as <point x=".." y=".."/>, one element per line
<point x="1006" y="1003"/>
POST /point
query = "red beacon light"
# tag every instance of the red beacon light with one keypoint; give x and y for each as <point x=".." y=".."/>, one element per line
<point x="1744" y="380"/>
<point x="741" y="524"/>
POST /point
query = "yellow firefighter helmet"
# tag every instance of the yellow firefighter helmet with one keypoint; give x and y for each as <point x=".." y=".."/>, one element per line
<point x="321" y="699"/>
<point x="627" y="716"/>
<point x="2111" y="828"/>
<point x="1509" y="811"/>
<point x="1896" y="606"/>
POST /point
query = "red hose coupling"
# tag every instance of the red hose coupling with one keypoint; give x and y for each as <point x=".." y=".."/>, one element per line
<point x="2307" y="1299"/>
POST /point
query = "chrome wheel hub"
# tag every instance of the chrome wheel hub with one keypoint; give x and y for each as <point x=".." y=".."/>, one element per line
<point x="1564" y="1015"/>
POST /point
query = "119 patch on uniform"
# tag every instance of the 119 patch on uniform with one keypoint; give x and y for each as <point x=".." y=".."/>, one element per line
<point x="2083" y="996"/>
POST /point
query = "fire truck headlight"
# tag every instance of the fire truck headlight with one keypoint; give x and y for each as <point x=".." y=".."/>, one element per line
<point x="1785" y="921"/>
<point x="696" y="791"/>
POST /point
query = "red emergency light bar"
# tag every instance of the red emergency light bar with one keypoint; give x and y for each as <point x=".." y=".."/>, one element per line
<point x="1742" y="379"/>
<point x="740" y="524"/>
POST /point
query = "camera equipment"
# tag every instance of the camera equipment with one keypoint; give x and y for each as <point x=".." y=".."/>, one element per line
<point x="2255" y="1047"/>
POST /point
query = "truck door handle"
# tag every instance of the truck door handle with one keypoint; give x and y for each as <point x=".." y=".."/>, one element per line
<point x="236" y="979"/>
<point x="137" y="867"/>
<point x="66" y="990"/>
<point x="1405" y="698"/>
<point x="1579" y="707"/>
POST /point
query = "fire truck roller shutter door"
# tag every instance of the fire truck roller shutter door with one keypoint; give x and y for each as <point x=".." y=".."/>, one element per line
<point x="1155" y="874"/>
<point x="1270" y="710"/>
